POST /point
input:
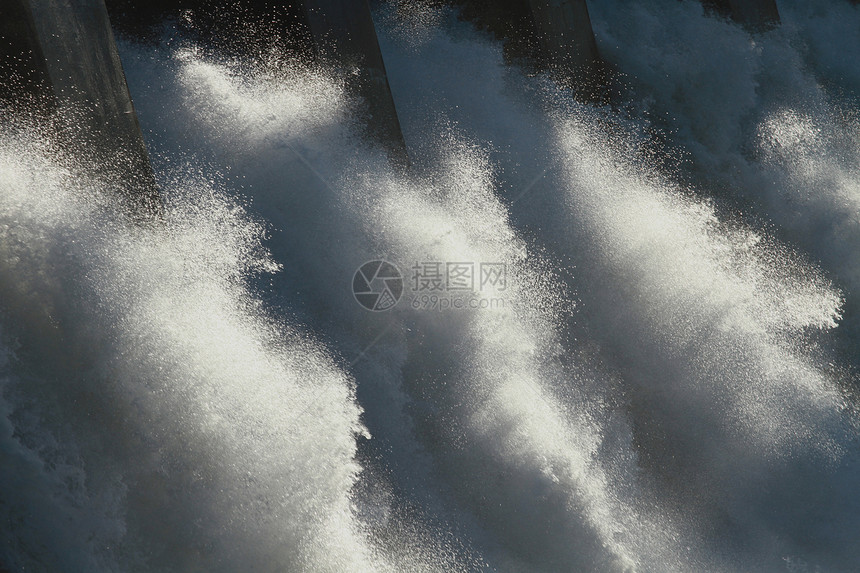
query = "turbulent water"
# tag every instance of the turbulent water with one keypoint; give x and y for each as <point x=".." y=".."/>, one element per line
<point x="665" y="380"/>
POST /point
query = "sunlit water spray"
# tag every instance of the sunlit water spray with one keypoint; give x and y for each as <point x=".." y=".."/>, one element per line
<point x="159" y="337"/>
<point x="769" y="119"/>
<point x="653" y="395"/>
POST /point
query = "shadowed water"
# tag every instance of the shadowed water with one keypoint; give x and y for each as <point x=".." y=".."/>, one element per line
<point x="664" y="382"/>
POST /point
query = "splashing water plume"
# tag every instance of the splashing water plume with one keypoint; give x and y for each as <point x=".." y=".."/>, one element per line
<point x="660" y="384"/>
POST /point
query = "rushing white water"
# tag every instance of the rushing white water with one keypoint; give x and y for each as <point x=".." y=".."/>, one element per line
<point x="663" y="384"/>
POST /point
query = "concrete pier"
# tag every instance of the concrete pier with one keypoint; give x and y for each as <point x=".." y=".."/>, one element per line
<point x="554" y="35"/>
<point x="62" y="54"/>
<point x="757" y="15"/>
<point x="564" y="28"/>
<point x="23" y="67"/>
<point x="344" y="35"/>
<point x="339" y="33"/>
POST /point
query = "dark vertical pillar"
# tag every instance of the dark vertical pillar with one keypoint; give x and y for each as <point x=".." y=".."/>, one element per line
<point x="339" y="33"/>
<point x="554" y="35"/>
<point x="22" y="63"/>
<point x="564" y="27"/>
<point x="511" y="21"/>
<point x="757" y="15"/>
<point x="63" y="51"/>
<point x="343" y="34"/>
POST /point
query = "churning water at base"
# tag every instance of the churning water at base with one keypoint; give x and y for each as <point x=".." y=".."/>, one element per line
<point x="664" y="381"/>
